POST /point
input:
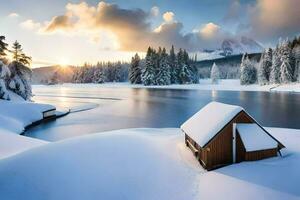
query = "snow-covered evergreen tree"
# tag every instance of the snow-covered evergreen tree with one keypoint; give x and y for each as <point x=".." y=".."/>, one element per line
<point x="3" y="47"/>
<point x="173" y="67"/>
<point x="135" y="70"/>
<point x="275" y="68"/>
<point x="248" y="71"/>
<point x="20" y="79"/>
<point x="99" y="76"/>
<point x="215" y="74"/>
<point x="286" y="74"/>
<point x="164" y="73"/>
<point x="148" y="74"/>
<point x="4" y="75"/>
<point x="185" y="73"/>
<point x="261" y="74"/>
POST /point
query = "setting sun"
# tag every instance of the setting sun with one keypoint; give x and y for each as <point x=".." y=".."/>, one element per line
<point x="64" y="62"/>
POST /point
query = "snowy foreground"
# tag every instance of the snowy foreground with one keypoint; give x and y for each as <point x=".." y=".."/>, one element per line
<point x="141" y="164"/>
<point x="205" y="84"/>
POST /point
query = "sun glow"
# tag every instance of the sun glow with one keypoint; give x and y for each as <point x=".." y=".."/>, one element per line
<point x="64" y="62"/>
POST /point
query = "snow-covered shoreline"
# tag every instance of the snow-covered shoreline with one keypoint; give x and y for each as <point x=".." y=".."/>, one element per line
<point x="205" y="84"/>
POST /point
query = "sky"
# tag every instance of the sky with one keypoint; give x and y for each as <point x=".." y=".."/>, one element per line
<point x="78" y="31"/>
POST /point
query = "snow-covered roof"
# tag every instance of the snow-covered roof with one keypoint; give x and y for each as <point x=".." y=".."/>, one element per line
<point x="206" y="123"/>
<point x="255" y="138"/>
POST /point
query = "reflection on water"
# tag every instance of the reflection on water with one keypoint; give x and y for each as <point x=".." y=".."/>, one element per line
<point x="127" y="108"/>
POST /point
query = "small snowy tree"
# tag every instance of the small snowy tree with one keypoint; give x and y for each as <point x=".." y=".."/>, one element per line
<point x="135" y="70"/>
<point x="215" y="74"/>
<point x="148" y="74"/>
<point x="164" y="72"/>
<point x="248" y="71"/>
<point x="275" y="68"/>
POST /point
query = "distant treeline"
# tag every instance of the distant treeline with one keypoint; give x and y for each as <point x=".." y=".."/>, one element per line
<point x="101" y="72"/>
<point x="157" y="68"/>
<point x="161" y="68"/>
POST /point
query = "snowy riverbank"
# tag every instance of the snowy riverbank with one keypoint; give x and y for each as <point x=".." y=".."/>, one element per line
<point x="144" y="164"/>
<point x="205" y="84"/>
<point x="16" y="115"/>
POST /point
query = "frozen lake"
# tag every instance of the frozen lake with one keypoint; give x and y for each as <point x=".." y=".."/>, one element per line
<point x="102" y="108"/>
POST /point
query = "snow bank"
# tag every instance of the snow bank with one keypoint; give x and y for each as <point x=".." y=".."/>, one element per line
<point x="16" y="115"/>
<point x="255" y="138"/>
<point x="205" y="84"/>
<point x="125" y="164"/>
<point x="144" y="164"/>
<point x="11" y="144"/>
<point x="206" y="123"/>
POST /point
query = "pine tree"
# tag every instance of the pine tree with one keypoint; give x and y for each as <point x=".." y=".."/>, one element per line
<point x="148" y="74"/>
<point x="264" y="67"/>
<point x="18" y="54"/>
<point x="99" y="76"/>
<point x="185" y="74"/>
<point x="135" y="70"/>
<point x="164" y="72"/>
<point x="3" y="47"/>
<point x="286" y="74"/>
<point x="275" y="68"/>
<point x="248" y="71"/>
<point x="173" y="67"/>
<point x="215" y="74"/>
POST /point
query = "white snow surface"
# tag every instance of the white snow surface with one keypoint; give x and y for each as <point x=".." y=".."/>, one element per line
<point x="207" y="122"/>
<point x="145" y="164"/>
<point x="16" y="115"/>
<point x="205" y="84"/>
<point x="11" y="143"/>
<point x="255" y="138"/>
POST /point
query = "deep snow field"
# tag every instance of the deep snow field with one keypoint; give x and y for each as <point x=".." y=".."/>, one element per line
<point x="206" y="84"/>
<point x="141" y="164"/>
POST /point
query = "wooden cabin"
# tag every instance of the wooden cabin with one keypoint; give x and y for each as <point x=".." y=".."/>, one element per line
<point x="222" y="134"/>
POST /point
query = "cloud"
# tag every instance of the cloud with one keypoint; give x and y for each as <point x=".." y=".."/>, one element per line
<point x="168" y="16"/>
<point x="209" y="30"/>
<point x="154" y="11"/>
<point x="13" y="15"/>
<point x="270" y="19"/>
<point x="30" y="24"/>
<point x="59" y="22"/>
<point x="130" y="29"/>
